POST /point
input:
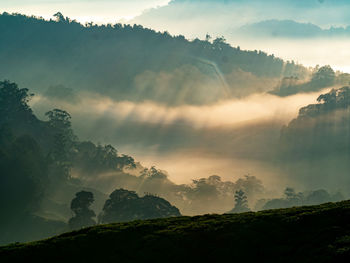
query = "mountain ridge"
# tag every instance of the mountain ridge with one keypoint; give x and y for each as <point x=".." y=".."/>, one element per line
<point x="291" y="29"/>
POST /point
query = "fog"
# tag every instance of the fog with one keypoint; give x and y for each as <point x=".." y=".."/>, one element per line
<point x="190" y="120"/>
<point x="230" y="138"/>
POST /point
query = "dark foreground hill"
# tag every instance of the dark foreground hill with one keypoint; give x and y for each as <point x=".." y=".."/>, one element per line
<point x="304" y="234"/>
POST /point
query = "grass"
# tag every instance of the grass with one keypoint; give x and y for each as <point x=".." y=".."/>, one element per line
<point x="302" y="234"/>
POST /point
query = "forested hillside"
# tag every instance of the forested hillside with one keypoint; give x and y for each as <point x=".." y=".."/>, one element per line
<point x="322" y="128"/>
<point x="314" y="147"/>
<point x="132" y="62"/>
<point x="36" y="159"/>
<point x="44" y="165"/>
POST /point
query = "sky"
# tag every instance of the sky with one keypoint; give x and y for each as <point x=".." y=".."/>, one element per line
<point x="98" y="11"/>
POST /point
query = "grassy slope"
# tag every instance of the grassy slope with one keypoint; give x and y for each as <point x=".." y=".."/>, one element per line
<point x="305" y="234"/>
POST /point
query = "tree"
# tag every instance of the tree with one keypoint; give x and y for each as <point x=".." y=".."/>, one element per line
<point x="13" y="102"/>
<point x="241" y="203"/>
<point x="59" y="17"/>
<point x="59" y="119"/>
<point x="220" y="43"/>
<point x="63" y="142"/>
<point x="208" y="38"/>
<point x="126" y="161"/>
<point x="83" y="215"/>
<point x="124" y="205"/>
<point x="153" y="173"/>
<point x="324" y="76"/>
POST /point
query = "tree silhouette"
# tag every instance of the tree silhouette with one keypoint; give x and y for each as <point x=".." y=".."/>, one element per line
<point x="124" y="205"/>
<point x="324" y="76"/>
<point x="80" y="206"/>
<point x="63" y="143"/>
<point x="241" y="203"/>
<point x="13" y="102"/>
<point x="59" y="17"/>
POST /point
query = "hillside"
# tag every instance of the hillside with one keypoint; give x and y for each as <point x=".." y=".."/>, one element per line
<point x="305" y="234"/>
<point x="314" y="146"/>
<point x="130" y="62"/>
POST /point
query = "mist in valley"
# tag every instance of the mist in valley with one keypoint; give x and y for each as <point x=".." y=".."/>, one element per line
<point x="194" y="118"/>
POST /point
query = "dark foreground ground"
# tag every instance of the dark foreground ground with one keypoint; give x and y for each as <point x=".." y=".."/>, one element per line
<point x="304" y="234"/>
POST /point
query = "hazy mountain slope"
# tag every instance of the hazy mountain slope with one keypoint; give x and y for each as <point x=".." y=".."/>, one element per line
<point x="304" y="3"/>
<point x="130" y="62"/>
<point x="306" y="234"/>
<point x="290" y="29"/>
<point x="314" y="147"/>
<point x="225" y="15"/>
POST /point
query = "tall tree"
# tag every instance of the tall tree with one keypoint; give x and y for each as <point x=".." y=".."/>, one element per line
<point x="241" y="203"/>
<point x="63" y="142"/>
<point x="83" y="215"/>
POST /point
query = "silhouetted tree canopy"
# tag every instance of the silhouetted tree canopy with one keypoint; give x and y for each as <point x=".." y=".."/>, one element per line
<point x="83" y="215"/>
<point x="13" y="103"/>
<point x="124" y="205"/>
<point x="322" y="77"/>
<point x="36" y="161"/>
<point x="241" y="203"/>
<point x="90" y="158"/>
<point x="63" y="143"/>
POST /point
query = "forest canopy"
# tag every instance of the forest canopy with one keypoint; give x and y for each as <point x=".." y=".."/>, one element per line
<point x="130" y="62"/>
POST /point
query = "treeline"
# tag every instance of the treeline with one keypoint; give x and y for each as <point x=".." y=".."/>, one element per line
<point x="121" y="206"/>
<point x="129" y="61"/>
<point x="44" y="165"/>
<point x="314" y="147"/>
<point x="291" y="198"/>
<point x="321" y="78"/>
<point x="320" y="129"/>
<point x="36" y="159"/>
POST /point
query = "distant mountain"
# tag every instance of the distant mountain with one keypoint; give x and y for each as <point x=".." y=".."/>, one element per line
<point x="290" y="29"/>
<point x="304" y="3"/>
<point x="218" y="17"/>
<point x="304" y="234"/>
